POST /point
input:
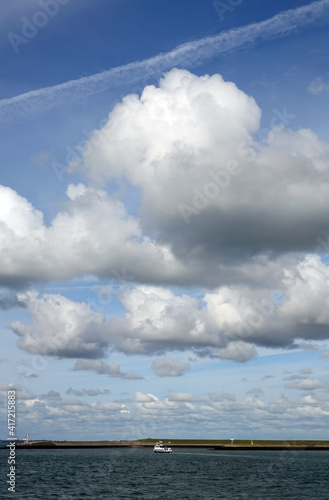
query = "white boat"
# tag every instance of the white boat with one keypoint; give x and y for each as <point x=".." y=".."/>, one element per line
<point x="161" y="448"/>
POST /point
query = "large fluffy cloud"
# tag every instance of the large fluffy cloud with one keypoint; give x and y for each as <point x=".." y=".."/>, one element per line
<point x="92" y="234"/>
<point x="60" y="327"/>
<point x="276" y="318"/>
<point x="212" y="181"/>
<point x="228" y="323"/>
<point x="224" y="205"/>
<point x="169" y="367"/>
<point x="223" y="201"/>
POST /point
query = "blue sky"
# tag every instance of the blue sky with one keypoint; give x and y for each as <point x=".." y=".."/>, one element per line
<point x="164" y="251"/>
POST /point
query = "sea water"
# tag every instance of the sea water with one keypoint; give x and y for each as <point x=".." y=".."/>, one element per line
<point x="185" y="474"/>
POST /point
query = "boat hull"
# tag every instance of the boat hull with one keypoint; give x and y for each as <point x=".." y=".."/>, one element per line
<point x="160" y="448"/>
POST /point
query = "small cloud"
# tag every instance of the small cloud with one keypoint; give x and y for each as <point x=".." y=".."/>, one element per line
<point x="223" y="396"/>
<point x="306" y="346"/>
<point x="103" y="368"/>
<point x="141" y="397"/>
<point x="86" y="392"/>
<point x="318" y="86"/>
<point x="300" y="375"/>
<point x="240" y="352"/>
<point x="123" y="400"/>
<point x="52" y="395"/>
<point x="309" y="400"/>
<point x="307" y="384"/>
<point x="266" y="377"/>
<point x="184" y="397"/>
<point x="324" y="355"/>
<point x="297" y="376"/>
<point x="21" y="392"/>
<point x="306" y="371"/>
<point x="256" y="391"/>
<point x="168" y="367"/>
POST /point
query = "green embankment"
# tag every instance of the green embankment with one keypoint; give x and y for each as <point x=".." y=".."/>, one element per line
<point x="239" y="442"/>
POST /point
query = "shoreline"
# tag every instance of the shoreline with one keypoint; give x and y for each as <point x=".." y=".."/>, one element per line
<point x="280" y="446"/>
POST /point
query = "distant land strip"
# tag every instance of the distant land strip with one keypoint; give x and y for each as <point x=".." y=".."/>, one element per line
<point x="179" y="443"/>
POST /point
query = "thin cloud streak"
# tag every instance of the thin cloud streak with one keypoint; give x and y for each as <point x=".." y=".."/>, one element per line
<point x="188" y="55"/>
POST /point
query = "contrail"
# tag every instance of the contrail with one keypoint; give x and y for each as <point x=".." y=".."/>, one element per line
<point x="188" y="55"/>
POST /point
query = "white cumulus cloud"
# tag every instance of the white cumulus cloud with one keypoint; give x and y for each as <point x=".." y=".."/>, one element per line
<point x="213" y="184"/>
<point x="169" y="367"/>
<point x="60" y="327"/>
<point x="307" y="384"/>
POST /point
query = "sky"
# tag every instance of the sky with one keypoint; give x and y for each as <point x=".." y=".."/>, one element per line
<point x="164" y="237"/>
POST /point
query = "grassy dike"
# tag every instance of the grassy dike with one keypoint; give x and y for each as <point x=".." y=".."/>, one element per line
<point x="218" y="444"/>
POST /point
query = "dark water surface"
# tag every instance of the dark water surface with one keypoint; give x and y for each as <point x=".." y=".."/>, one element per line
<point x="185" y="474"/>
